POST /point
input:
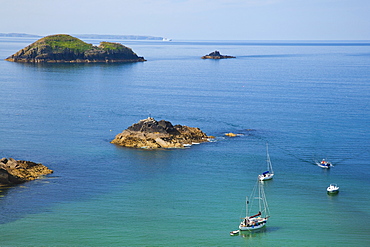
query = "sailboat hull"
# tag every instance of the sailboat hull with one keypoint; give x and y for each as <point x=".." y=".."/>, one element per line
<point x="265" y="176"/>
<point x="254" y="224"/>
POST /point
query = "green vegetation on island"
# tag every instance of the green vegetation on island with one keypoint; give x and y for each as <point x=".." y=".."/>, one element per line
<point x="61" y="42"/>
<point x="64" y="48"/>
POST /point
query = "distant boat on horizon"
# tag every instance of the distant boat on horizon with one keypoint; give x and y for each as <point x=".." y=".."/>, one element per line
<point x="166" y="39"/>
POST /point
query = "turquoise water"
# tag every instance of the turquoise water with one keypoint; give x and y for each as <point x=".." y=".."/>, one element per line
<point x="307" y="100"/>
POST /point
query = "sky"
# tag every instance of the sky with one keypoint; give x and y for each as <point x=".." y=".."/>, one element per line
<point x="192" y="19"/>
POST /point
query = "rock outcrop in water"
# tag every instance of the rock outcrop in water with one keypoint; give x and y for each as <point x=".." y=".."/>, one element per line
<point x="216" y="55"/>
<point x="64" y="48"/>
<point x="19" y="171"/>
<point x="152" y="134"/>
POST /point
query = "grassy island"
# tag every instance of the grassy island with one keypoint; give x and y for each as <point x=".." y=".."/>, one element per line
<point x="64" y="48"/>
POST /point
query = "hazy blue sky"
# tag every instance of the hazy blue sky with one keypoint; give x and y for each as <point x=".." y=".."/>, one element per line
<point x="192" y="19"/>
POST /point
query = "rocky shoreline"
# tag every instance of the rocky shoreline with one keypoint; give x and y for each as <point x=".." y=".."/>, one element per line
<point x="151" y="134"/>
<point x="19" y="171"/>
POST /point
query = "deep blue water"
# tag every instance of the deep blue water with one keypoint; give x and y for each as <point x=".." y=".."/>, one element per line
<point x="308" y="100"/>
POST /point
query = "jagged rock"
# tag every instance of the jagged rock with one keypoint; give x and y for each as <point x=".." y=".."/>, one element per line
<point x="216" y="55"/>
<point x="149" y="133"/>
<point x="62" y="48"/>
<point x="19" y="171"/>
<point x="230" y="134"/>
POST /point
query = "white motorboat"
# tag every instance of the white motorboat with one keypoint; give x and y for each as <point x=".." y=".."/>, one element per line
<point x="325" y="164"/>
<point x="333" y="188"/>
<point x="267" y="175"/>
<point x="259" y="220"/>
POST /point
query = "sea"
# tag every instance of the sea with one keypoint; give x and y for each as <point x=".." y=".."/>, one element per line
<point x="308" y="100"/>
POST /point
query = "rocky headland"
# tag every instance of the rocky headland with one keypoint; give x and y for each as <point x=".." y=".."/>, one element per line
<point x="19" y="171"/>
<point x="152" y="134"/>
<point x="62" y="48"/>
<point x="216" y="55"/>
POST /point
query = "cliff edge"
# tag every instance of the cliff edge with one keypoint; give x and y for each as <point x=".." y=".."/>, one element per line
<point x="62" y="48"/>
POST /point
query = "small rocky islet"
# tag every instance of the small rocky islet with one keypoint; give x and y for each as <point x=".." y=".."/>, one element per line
<point x="19" y="171"/>
<point x="216" y="55"/>
<point x="63" y="48"/>
<point x="152" y="134"/>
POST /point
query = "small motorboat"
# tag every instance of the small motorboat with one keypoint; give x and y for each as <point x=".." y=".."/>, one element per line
<point x="333" y="188"/>
<point x="234" y="233"/>
<point x="325" y="164"/>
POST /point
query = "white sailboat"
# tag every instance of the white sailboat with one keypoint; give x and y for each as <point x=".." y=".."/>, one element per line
<point x="259" y="220"/>
<point x="267" y="175"/>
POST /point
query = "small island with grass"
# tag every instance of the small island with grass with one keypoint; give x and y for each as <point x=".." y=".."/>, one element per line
<point x="63" y="48"/>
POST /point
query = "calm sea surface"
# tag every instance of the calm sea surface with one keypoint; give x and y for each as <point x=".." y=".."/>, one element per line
<point x="308" y="100"/>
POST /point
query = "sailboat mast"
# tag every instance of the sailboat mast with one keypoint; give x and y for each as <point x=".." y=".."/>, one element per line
<point x="259" y="197"/>
<point x="246" y="206"/>
<point x="269" y="165"/>
<point x="265" y="207"/>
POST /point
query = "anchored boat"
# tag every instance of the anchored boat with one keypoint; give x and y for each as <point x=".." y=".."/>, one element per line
<point x="267" y="175"/>
<point x="333" y="188"/>
<point x="259" y="220"/>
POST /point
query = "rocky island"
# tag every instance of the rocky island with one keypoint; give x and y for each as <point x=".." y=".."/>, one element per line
<point x="62" y="48"/>
<point x="216" y="55"/>
<point x="19" y="171"/>
<point x="152" y="134"/>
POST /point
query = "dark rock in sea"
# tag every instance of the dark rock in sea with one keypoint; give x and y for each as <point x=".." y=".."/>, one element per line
<point x="19" y="171"/>
<point x="64" y="48"/>
<point x="152" y="134"/>
<point x="216" y="55"/>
